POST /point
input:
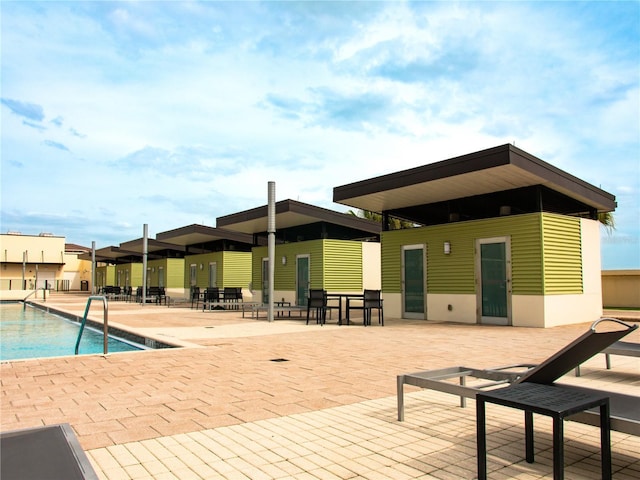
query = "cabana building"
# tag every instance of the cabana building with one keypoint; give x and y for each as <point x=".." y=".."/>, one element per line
<point x="123" y="266"/>
<point x="165" y="264"/>
<point x="213" y="257"/>
<point x="106" y="260"/>
<point x="316" y="248"/>
<point x="502" y="237"/>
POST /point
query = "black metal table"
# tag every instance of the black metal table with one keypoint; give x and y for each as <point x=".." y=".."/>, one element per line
<point x="348" y="297"/>
<point x="550" y="400"/>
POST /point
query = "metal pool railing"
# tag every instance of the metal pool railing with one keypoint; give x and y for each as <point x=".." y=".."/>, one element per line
<point x="35" y="292"/>
<point x="105" y="322"/>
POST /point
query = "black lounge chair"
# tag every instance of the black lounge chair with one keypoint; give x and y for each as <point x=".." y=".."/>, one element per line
<point x="625" y="413"/>
<point x="42" y="453"/>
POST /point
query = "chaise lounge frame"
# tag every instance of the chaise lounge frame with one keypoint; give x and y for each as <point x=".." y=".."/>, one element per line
<point x="625" y="414"/>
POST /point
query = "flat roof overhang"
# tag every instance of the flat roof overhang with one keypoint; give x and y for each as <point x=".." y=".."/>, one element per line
<point x="291" y="213"/>
<point x="488" y="171"/>
<point x="113" y="255"/>
<point x="154" y="247"/>
<point x="200" y="234"/>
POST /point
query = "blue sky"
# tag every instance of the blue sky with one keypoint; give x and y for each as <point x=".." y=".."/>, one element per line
<point x="117" y="114"/>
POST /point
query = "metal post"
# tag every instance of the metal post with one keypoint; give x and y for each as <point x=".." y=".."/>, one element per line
<point x="105" y="327"/>
<point x="93" y="268"/>
<point x="271" y="242"/>
<point x="24" y="270"/>
<point x="145" y="233"/>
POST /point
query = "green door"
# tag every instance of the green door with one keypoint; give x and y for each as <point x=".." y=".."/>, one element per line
<point x="302" y="279"/>
<point x="265" y="281"/>
<point x="213" y="274"/>
<point x="494" y="297"/>
<point x="413" y="281"/>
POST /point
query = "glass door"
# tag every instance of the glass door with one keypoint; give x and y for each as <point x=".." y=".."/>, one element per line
<point x="193" y="277"/>
<point x="213" y="274"/>
<point x="265" y="281"/>
<point x="413" y="281"/>
<point x="302" y="279"/>
<point x="161" y="276"/>
<point x="494" y="279"/>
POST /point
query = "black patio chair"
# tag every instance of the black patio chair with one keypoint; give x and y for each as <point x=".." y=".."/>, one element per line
<point x="317" y="302"/>
<point x="211" y="298"/>
<point x="195" y="296"/>
<point x="372" y="300"/>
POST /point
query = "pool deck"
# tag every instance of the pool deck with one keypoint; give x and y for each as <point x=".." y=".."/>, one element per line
<point x="223" y="408"/>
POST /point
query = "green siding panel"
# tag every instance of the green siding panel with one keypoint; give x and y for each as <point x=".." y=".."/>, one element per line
<point x="455" y="273"/>
<point x="333" y="265"/>
<point x="174" y="273"/>
<point x="562" y="255"/>
<point x="235" y="269"/>
<point x="202" y="275"/>
<point x="342" y="265"/>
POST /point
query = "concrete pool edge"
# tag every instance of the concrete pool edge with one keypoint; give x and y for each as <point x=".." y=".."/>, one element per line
<point x="120" y="331"/>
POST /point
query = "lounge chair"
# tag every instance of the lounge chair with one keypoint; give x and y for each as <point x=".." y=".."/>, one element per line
<point x="625" y="414"/>
<point x="44" y="452"/>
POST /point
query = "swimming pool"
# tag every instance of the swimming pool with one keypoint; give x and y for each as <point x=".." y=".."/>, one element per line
<point x="33" y="333"/>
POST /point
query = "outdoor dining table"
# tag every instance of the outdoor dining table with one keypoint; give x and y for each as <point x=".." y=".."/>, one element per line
<point x="348" y="298"/>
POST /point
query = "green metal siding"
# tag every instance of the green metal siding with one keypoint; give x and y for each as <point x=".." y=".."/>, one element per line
<point x="235" y="269"/>
<point x="285" y="275"/>
<point x="257" y="254"/>
<point x="455" y="273"/>
<point x="108" y="275"/>
<point x="174" y="273"/>
<point x="562" y="238"/>
<point x="333" y="265"/>
<point x="135" y="273"/>
<point x="342" y="265"/>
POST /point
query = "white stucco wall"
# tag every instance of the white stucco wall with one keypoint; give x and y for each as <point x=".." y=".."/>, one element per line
<point x="371" y="266"/>
<point x="527" y="311"/>
<point x="451" y="308"/>
<point x="585" y="307"/>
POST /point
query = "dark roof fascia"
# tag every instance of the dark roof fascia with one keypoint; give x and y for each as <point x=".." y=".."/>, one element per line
<point x="212" y="232"/>
<point x="74" y="248"/>
<point x="318" y="214"/>
<point x="473" y="162"/>
<point x="111" y="254"/>
<point x="153" y="245"/>
<point x="468" y="163"/>
<point x="566" y="182"/>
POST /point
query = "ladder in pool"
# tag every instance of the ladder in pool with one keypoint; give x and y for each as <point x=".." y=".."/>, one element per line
<point x="35" y="292"/>
<point x="105" y="322"/>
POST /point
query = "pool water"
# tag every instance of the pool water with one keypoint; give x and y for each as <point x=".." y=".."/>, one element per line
<point x="33" y="333"/>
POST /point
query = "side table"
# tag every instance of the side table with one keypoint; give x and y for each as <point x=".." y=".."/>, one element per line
<point x="553" y="401"/>
<point x="282" y="304"/>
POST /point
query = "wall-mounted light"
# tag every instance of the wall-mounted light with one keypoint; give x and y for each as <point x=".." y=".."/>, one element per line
<point x="447" y="248"/>
<point x="201" y="266"/>
<point x="284" y="260"/>
<point x="153" y="269"/>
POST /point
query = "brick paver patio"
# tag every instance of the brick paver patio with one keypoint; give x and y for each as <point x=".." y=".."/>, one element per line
<point x="225" y="409"/>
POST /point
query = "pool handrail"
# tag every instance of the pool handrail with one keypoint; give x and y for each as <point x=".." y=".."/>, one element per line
<point x="105" y="322"/>
<point x="35" y="292"/>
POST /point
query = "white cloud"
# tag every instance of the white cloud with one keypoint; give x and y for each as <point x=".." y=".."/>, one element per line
<point x="196" y="105"/>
